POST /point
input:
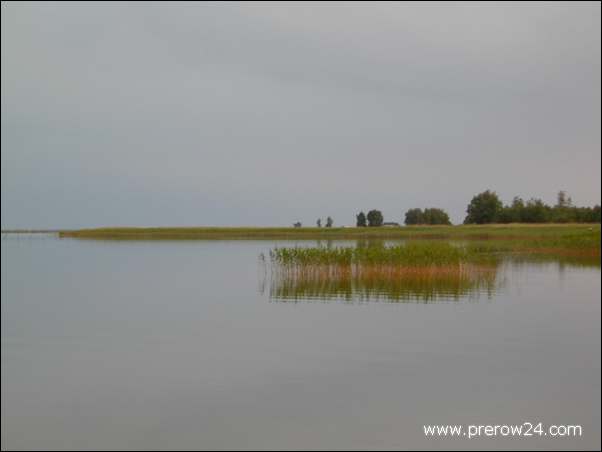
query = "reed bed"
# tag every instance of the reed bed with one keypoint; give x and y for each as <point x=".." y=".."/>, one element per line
<point x="417" y="270"/>
<point x="411" y="254"/>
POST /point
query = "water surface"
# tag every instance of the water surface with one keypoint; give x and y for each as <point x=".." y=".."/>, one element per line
<point x="182" y="345"/>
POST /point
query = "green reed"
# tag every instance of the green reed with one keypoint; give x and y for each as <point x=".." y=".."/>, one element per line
<point x="415" y="270"/>
<point x="411" y="254"/>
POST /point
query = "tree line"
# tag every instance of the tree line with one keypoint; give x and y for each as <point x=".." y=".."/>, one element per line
<point x="329" y="222"/>
<point x="486" y="207"/>
<point x="373" y="219"/>
<point x="432" y="215"/>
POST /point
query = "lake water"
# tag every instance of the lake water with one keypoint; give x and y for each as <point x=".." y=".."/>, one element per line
<point x="189" y="345"/>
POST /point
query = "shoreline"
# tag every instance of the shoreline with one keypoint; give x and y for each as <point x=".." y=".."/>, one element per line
<point x="515" y="231"/>
<point x="502" y="232"/>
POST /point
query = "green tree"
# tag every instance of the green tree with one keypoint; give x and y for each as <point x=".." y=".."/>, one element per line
<point x="533" y="211"/>
<point x="319" y="223"/>
<point x="375" y="218"/>
<point x="518" y="209"/>
<point x="483" y="208"/>
<point x="434" y="215"/>
<point x="561" y="199"/>
<point x="512" y="213"/>
<point x="361" y="220"/>
<point x="414" y="216"/>
<point x="563" y="211"/>
<point x="430" y="215"/>
<point x="583" y="214"/>
<point x="536" y="211"/>
<point x="329" y="222"/>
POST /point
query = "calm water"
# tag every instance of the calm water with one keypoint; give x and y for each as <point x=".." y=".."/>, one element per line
<point x="188" y="345"/>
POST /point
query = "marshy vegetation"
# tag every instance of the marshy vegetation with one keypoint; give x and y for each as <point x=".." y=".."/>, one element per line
<point x="412" y="254"/>
<point x="418" y="263"/>
<point x="418" y="270"/>
<point x="426" y="271"/>
<point x="551" y="234"/>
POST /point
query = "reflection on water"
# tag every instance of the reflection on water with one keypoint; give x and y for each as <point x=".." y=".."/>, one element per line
<point x="562" y="263"/>
<point x="385" y="284"/>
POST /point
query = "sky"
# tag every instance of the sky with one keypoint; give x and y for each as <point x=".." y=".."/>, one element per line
<point x="267" y="114"/>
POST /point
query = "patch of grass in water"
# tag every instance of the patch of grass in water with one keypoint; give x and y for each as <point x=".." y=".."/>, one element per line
<point x="411" y="254"/>
<point x="424" y="271"/>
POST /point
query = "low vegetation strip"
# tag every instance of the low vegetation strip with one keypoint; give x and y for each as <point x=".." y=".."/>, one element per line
<point x="580" y="235"/>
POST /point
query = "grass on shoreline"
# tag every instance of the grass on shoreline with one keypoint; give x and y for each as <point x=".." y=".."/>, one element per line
<point x="570" y="239"/>
<point x="499" y="231"/>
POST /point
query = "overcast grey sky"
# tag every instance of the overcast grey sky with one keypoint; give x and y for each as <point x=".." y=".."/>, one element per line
<point x="200" y="114"/>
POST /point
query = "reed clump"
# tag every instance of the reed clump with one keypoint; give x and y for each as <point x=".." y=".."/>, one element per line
<point x="411" y="255"/>
<point x="416" y="270"/>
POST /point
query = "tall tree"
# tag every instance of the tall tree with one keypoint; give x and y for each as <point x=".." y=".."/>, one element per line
<point x="512" y="213"/>
<point x="483" y="208"/>
<point x="434" y="215"/>
<point x="536" y="211"/>
<point x="329" y="222"/>
<point x="375" y="218"/>
<point x="563" y="211"/>
<point x="561" y="199"/>
<point x="414" y="216"/>
<point x="360" y="220"/>
<point x="319" y="223"/>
